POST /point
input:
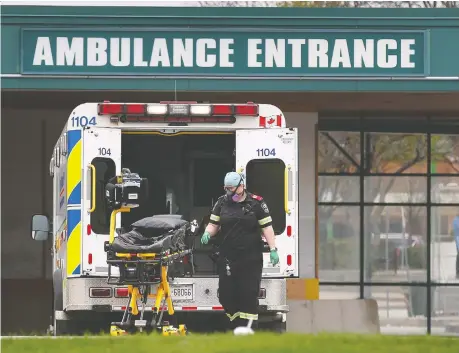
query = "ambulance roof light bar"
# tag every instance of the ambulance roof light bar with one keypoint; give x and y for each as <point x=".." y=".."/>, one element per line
<point x="178" y="109"/>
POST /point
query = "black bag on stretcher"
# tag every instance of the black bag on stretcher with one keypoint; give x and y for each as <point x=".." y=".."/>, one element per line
<point x="156" y="226"/>
<point x="155" y="234"/>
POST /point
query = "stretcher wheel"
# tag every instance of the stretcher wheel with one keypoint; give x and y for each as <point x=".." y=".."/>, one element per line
<point x="116" y="331"/>
<point x="183" y="330"/>
<point x="169" y="330"/>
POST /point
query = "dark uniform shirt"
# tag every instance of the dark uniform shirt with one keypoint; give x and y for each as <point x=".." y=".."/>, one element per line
<point x="240" y="226"/>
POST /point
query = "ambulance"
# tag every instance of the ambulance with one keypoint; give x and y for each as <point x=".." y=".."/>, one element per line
<point x="184" y="149"/>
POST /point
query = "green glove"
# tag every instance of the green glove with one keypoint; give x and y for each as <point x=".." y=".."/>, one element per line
<point x="205" y="238"/>
<point x="274" y="257"/>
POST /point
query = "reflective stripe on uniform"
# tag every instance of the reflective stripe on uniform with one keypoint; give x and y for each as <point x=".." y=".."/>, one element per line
<point x="176" y="308"/>
<point x="265" y="220"/>
<point x="214" y="218"/>
<point x="246" y="316"/>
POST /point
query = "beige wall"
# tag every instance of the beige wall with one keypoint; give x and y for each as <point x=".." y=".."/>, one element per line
<point x="305" y="122"/>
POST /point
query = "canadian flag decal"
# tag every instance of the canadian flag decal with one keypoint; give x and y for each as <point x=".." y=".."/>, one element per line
<point x="270" y="121"/>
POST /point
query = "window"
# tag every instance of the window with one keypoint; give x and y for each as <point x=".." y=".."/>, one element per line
<point x="266" y="178"/>
<point x="100" y="218"/>
<point x="399" y="175"/>
<point x="395" y="225"/>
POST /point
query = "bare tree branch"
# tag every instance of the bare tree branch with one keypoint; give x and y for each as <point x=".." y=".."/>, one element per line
<point x="238" y="4"/>
<point x="371" y="4"/>
<point x="341" y="149"/>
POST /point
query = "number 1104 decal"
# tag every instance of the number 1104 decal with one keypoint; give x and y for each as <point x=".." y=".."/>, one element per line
<point x="266" y="152"/>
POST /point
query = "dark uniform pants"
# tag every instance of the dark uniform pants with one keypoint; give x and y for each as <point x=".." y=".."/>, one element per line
<point x="238" y="292"/>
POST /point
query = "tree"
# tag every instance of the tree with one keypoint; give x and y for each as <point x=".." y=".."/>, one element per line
<point x="322" y="4"/>
<point x="283" y="3"/>
<point x="238" y="3"/>
<point x="371" y="4"/>
<point x="418" y="4"/>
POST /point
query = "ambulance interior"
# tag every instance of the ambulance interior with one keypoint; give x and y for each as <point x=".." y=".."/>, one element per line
<point x="185" y="176"/>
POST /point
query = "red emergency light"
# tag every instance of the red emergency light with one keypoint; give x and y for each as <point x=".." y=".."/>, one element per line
<point x="115" y="108"/>
<point x="178" y="112"/>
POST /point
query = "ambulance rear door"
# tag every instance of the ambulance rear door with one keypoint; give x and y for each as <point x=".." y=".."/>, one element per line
<point x="269" y="160"/>
<point x="101" y="162"/>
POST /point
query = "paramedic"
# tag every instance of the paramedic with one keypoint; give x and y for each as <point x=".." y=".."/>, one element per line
<point x="242" y="218"/>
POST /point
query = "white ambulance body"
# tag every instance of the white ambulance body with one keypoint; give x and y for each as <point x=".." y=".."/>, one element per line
<point x="184" y="149"/>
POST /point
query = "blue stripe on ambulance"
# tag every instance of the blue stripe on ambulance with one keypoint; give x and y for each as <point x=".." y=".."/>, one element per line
<point x="73" y="242"/>
<point x="74" y="168"/>
<point x="74" y="148"/>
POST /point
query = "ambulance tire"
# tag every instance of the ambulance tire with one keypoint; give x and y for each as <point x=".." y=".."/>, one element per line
<point x="62" y="328"/>
<point x="59" y="327"/>
<point x="58" y="296"/>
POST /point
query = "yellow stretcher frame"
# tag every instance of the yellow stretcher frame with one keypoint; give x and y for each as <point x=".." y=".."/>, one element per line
<point x="163" y="291"/>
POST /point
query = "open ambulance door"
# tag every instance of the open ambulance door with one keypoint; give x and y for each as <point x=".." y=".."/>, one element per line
<point x="101" y="162"/>
<point x="269" y="160"/>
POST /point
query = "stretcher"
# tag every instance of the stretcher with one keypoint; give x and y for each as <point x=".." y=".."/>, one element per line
<point x="142" y="272"/>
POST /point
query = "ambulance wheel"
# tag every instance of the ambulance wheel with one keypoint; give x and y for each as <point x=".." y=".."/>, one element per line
<point x="183" y="330"/>
<point x="58" y="327"/>
<point x="62" y="328"/>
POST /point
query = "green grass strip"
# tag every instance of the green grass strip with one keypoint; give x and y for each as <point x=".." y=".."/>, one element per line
<point x="220" y="343"/>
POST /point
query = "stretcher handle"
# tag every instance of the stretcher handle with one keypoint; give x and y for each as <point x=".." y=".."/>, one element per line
<point x="113" y="222"/>
<point x="286" y="189"/>
<point x="93" y="188"/>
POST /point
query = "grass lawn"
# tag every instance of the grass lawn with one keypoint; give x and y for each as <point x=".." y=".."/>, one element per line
<point x="221" y="343"/>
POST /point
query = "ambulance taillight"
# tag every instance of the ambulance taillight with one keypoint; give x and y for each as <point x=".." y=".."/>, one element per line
<point x="100" y="292"/>
<point x="121" y="292"/>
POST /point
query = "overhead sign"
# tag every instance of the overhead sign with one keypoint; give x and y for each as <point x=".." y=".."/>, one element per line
<point x="215" y="53"/>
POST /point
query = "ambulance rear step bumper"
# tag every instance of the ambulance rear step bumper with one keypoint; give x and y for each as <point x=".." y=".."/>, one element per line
<point x="204" y="295"/>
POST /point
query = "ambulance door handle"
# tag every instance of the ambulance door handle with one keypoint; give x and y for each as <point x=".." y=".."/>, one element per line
<point x="93" y="187"/>
<point x="286" y="189"/>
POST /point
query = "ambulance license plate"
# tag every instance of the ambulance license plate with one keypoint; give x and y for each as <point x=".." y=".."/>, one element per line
<point x="182" y="292"/>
